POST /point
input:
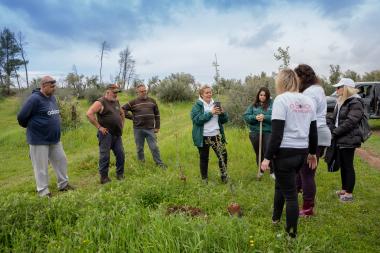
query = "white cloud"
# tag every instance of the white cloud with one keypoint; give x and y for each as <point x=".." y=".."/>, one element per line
<point x="243" y="39"/>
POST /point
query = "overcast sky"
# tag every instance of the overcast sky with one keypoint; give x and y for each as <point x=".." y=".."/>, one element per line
<point x="182" y="36"/>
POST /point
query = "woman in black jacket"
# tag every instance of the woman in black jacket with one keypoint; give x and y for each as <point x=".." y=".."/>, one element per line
<point x="344" y="126"/>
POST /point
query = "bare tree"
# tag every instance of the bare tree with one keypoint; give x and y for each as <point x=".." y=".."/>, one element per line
<point x="21" y="43"/>
<point x="127" y="68"/>
<point x="104" y="48"/>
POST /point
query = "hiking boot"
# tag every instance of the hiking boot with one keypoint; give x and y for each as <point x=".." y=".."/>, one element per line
<point x="67" y="188"/>
<point x="120" y="177"/>
<point x="346" y="198"/>
<point x="104" y="180"/>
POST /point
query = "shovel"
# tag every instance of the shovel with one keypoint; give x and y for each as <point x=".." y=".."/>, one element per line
<point x="260" y="149"/>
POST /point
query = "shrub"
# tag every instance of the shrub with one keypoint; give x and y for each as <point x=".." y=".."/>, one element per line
<point x="176" y="87"/>
<point x="93" y="94"/>
<point x="241" y="96"/>
<point x="70" y="117"/>
<point x="238" y="100"/>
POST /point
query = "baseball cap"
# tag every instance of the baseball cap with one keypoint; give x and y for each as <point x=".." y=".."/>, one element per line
<point x="345" y="82"/>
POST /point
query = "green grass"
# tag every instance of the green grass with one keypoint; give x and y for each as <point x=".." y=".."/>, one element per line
<point x="130" y="216"/>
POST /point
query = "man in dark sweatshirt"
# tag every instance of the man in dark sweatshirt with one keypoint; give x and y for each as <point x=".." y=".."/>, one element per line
<point x="146" y="123"/>
<point x="109" y="121"/>
<point x="40" y="116"/>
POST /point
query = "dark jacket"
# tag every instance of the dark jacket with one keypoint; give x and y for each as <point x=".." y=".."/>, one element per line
<point x="199" y="118"/>
<point x="347" y="134"/>
<point x="253" y="124"/>
<point x="145" y="113"/>
<point x="40" y="116"/>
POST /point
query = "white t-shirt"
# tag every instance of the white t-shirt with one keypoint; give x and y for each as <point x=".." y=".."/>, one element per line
<point x="317" y="94"/>
<point x="211" y="127"/>
<point x="298" y="111"/>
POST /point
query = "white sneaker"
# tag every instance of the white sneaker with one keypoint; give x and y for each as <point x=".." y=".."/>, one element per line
<point x="260" y="175"/>
<point x="273" y="176"/>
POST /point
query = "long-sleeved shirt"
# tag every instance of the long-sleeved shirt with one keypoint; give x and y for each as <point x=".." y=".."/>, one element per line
<point x="144" y="113"/>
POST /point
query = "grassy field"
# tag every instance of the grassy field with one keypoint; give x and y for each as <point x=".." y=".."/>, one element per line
<point x="131" y="215"/>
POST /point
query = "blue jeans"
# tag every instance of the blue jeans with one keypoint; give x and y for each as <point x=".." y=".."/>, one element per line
<point x="106" y="143"/>
<point x="150" y="136"/>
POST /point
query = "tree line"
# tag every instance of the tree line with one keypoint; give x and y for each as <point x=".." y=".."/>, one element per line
<point x="175" y="87"/>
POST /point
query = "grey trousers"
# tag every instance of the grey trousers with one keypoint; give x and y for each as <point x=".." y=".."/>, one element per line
<point x="41" y="155"/>
<point x="150" y="136"/>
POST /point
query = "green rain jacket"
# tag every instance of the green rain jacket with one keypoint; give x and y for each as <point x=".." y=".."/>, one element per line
<point x="199" y="118"/>
<point x="254" y="125"/>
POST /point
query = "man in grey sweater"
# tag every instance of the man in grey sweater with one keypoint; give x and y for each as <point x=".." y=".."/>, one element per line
<point x="146" y="123"/>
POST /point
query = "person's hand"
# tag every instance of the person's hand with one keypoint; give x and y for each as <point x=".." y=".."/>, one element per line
<point x="103" y="130"/>
<point x="260" y="117"/>
<point x="156" y="130"/>
<point x="312" y="161"/>
<point x="265" y="164"/>
<point x="215" y="110"/>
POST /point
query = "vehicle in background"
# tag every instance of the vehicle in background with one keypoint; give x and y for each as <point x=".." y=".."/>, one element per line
<point x="369" y="91"/>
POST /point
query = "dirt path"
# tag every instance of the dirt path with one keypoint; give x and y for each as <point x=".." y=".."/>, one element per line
<point x="369" y="157"/>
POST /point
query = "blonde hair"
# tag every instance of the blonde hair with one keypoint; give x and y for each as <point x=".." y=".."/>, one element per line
<point x="347" y="92"/>
<point x="287" y="80"/>
<point x="203" y="88"/>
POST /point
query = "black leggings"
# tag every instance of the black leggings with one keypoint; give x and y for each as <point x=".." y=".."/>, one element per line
<point x="347" y="171"/>
<point x="220" y="150"/>
<point x="285" y="170"/>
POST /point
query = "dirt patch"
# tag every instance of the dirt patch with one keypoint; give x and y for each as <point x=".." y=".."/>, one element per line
<point x="369" y="157"/>
<point x="188" y="210"/>
<point x="234" y="209"/>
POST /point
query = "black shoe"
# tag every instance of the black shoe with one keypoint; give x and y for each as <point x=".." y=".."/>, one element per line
<point x="119" y="177"/>
<point x="162" y="165"/>
<point x="49" y="195"/>
<point x="225" y="179"/>
<point x="104" y="180"/>
<point x="67" y="188"/>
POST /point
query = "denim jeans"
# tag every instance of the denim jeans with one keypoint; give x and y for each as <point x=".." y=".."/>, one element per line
<point x="285" y="170"/>
<point x="150" y="136"/>
<point x="107" y="143"/>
